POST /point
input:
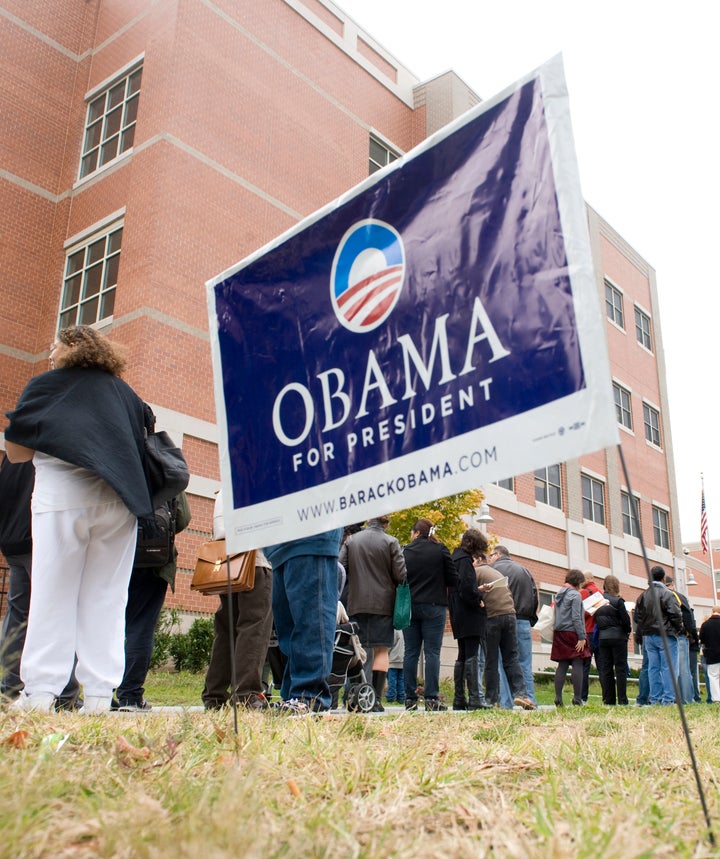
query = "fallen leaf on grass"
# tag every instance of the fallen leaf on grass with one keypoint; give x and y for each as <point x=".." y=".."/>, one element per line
<point x="294" y="789"/>
<point x="17" y="740"/>
<point x="129" y="752"/>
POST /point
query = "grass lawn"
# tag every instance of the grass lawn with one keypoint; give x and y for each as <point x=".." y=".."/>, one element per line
<point x="581" y="782"/>
<point x="185" y="688"/>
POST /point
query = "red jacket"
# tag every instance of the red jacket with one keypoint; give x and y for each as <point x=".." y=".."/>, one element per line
<point x="590" y="588"/>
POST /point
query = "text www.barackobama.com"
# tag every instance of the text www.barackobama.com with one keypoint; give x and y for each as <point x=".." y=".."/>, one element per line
<point x="387" y="488"/>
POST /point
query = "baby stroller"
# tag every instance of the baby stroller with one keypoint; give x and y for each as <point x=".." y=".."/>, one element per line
<point x="347" y="667"/>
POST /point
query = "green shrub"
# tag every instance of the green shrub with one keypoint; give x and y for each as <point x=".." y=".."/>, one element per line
<point x="164" y="633"/>
<point x="190" y="651"/>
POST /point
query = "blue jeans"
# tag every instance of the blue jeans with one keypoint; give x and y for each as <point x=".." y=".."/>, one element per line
<point x="481" y="669"/>
<point x="693" y="659"/>
<point x="304" y="601"/>
<point x="708" y="696"/>
<point x="524" y="645"/>
<point x="684" y="677"/>
<point x="146" y="595"/>
<point x="426" y="630"/>
<point x="501" y="638"/>
<point x="662" y="690"/>
<point x="395" y="685"/>
<point x="643" y="696"/>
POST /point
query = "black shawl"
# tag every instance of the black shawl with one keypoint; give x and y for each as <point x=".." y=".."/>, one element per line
<point x="90" y="418"/>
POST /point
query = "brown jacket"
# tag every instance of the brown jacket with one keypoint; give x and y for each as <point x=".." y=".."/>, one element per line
<point x="499" y="600"/>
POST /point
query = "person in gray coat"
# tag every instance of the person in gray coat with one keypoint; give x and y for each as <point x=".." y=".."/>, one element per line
<point x="375" y="566"/>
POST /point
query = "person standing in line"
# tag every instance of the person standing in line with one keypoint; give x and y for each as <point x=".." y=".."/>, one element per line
<point x="689" y="634"/>
<point x="16" y="486"/>
<point x="710" y="640"/>
<point x="84" y="429"/>
<point x="501" y="638"/>
<point x="304" y="603"/>
<point x="649" y="625"/>
<point x="430" y="572"/>
<point x="375" y="566"/>
<point x="146" y="597"/>
<point x="252" y="618"/>
<point x="587" y="590"/>
<point x="695" y="665"/>
<point x="525" y="597"/>
<point x="613" y="624"/>
<point x="468" y="618"/>
<point x="569" y="644"/>
<point x="396" y="678"/>
<point x="643" y="695"/>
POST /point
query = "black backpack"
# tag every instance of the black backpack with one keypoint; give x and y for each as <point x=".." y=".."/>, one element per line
<point x="156" y="541"/>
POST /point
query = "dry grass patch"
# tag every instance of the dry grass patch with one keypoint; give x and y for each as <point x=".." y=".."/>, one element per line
<point x="586" y="783"/>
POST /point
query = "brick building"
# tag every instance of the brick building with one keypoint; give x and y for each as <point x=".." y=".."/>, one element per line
<point x="147" y="145"/>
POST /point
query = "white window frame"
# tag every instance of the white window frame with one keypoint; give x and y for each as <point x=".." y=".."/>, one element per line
<point x="507" y="483"/>
<point x="110" y="126"/>
<point x="594" y="483"/>
<point x="649" y="410"/>
<point x="661" y="528"/>
<point x="611" y="308"/>
<point x="627" y="514"/>
<point x="543" y="482"/>
<point x="87" y="266"/>
<point x="623" y="410"/>
<point x="640" y="333"/>
<point x="389" y="152"/>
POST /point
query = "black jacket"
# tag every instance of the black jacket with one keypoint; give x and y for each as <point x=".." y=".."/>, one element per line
<point x="16" y="486"/>
<point x="671" y="616"/>
<point x="430" y="571"/>
<point x="89" y="418"/>
<point x="466" y="616"/>
<point x="688" y="616"/>
<point x="613" y="621"/>
<point x="522" y="587"/>
<point x="710" y="639"/>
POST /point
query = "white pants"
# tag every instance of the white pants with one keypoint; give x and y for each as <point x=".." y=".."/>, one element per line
<point x="713" y="672"/>
<point x="81" y="566"/>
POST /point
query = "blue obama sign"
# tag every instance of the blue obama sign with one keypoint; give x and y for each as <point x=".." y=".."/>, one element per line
<point x="436" y="328"/>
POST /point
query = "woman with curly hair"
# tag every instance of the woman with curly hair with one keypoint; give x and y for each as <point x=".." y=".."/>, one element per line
<point x="83" y="427"/>
<point x="467" y="617"/>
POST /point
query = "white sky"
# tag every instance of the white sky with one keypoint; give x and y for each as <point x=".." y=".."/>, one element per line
<point x="643" y="82"/>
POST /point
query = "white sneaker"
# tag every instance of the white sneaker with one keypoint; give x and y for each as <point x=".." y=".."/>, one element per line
<point x="41" y="702"/>
<point x="96" y="704"/>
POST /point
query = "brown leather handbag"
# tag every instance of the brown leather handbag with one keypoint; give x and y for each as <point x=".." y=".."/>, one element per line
<point x="211" y="570"/>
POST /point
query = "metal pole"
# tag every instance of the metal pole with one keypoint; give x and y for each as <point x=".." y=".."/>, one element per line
<point x="710" y="550"/>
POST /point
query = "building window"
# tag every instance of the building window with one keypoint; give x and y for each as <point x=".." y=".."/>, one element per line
<point x="548" y="489"/>
<point x="110" y="123"/>
<point x="623" y="409"/>
<point x="91" y="272"/>
<point x="661" y="528"/>
<point x="642" y="329"/>
<point x="508" y="483"/>
<point x="614" y="304"/>
<point x="651" y="418"/>
<point x="380" y="155"/>
<point x="545" y="598"/>
<point x="593" y="496"/>
<point x="630" y="524"/>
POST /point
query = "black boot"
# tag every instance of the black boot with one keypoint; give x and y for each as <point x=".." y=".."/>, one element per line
<point x="459" y="699"/>
<point x="379" y="687"/>
<point x="475" y="700"/>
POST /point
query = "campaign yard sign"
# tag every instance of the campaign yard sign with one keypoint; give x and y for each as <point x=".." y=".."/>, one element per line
<point x="434" y="329"/>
